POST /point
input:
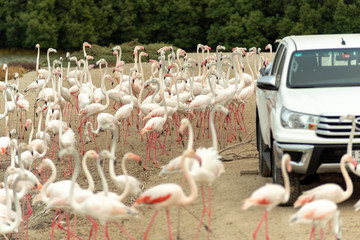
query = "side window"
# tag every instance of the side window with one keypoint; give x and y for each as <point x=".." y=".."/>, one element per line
<point x="280" y="68"/>
<point x="277" y="59"/>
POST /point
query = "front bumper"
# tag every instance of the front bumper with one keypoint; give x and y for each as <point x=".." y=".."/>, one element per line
<point x="309" y="159"/>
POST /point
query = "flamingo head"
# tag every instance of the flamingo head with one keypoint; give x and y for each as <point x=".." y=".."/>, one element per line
<point x="267" y="46"/>
<point x="86" y="44"/>
<point x="37" y="185"/>
<point x="133" y="156"/>
<point x="287" y="159"/>
<point x="114" y="52"/>
<point x="348" y="158"/>
<point x="27" y="124"/>
<point x="139" y="48"/>
<point x="37" y="46"/>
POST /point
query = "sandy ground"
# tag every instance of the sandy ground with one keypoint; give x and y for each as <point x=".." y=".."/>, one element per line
<point x="228" y="220"/>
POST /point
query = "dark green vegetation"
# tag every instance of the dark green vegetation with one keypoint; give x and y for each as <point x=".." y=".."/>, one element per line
<point x="66" y="24"/>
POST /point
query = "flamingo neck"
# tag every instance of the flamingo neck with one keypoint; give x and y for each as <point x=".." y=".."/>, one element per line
<point x="51" y="179"/>
<point x="193" y="188"/>
<point x="191" y="137"/>
<point x="286" y="180"/>
<point x="127" y="182"/>
<point x="351" y="138"/>
<point x="74" y="177"/>
<point x="92" y="128"/>
<point x="31" y="133"/>
<point x="87" y="173"/>
<point x="37" y="61"/>
<point x="348" y="182"/>
<point x="11" y="227"/>
<point x="212" y="129"/>
<point x="102" y="177"/>
<point x="199" y="60"/>
<point x="45" y="144"/>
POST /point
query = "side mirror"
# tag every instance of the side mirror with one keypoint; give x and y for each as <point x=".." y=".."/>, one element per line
<point x="267" y="83"/>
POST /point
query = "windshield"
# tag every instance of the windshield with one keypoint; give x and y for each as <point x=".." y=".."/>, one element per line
<point x="324" y="68"/>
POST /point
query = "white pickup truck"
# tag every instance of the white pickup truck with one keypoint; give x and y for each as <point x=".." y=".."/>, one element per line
<point x="313" y="81"/>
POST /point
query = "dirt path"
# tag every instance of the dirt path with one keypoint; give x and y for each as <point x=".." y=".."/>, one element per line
<point x="228" y="221"/>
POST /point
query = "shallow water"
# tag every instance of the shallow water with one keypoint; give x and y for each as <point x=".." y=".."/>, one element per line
<point x="11" y="55"/>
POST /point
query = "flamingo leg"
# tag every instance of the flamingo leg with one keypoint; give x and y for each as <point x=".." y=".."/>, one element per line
<point x="321" y="234"/>
<point x="258" y="227"/>
<point x="209" y="213"/>
<point x="169" y="224"/>
<point x="150" y="224"/>
<point x="203" y="212"/>
<point x="124" y="231"/>
<point x="266" y="229"/>
<point x="105" y="230"/>
<point x="312" y="233"/>
<point x="95" y="226"/>
<point x="53" y="224"/>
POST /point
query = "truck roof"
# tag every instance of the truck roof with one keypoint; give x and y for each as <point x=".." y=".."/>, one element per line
<point x="323" y="41"/>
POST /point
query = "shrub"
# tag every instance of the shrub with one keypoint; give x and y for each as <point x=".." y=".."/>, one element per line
<point x="11" y="71"/>
<point x="30" y="66"/>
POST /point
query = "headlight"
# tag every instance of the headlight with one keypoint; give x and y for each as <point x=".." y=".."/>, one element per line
<point x="296" y="120"/>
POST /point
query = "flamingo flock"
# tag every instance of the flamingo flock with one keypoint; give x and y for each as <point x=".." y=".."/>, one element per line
<point x="182" y="98"/>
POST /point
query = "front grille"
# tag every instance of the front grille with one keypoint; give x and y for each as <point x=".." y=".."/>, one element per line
<point x="334" y="154"/>
<point x="330" y="127"/>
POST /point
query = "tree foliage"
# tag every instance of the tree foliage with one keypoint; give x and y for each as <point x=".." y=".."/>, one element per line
<point x="66" y="24"/>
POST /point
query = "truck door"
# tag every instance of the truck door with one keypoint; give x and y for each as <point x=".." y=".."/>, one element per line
<point x="266" y="98"/>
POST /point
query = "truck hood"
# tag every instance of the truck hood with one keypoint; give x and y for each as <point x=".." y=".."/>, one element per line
<point x="340" y="100"/>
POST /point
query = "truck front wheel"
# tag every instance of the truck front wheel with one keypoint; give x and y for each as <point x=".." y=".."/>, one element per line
<point x="264" y="169"/>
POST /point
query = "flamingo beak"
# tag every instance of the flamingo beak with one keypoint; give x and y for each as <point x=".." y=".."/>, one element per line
<point x="37" y="186"/>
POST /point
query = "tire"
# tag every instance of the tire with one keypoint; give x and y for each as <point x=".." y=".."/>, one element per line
<point x="264" y="169"/>
<point x="294" y="178"/>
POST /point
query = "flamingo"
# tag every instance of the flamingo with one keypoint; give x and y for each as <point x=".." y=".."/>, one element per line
<point x="270" y="195"/>
<point x="121" y="181"/>
<point x="211" y="167"/>
<point x="56" y="195"/>
<point x="169" y="194"/>
<point x="319" y="212"/>
<point x="330" y="191"/>
<point x="36" y="85"/>
<point x="8" y="225"/>
<point x="174" y="165"/>
<point x="5" y="140"/>
<point x="100" y="206"/>
<point x="43" y="72"/>
<point x="125" y="111"/>
<point x="36" y="144"/>
<point x="155" y="125"/>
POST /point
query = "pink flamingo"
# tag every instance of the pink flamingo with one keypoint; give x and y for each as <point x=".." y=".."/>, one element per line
<point x="320" y="212"/>
<point x="8" y="225"/>
<point x="270" y="195"/>
<point x="56" y="195"/>
<point x="211" y="167"/>
<point x="169" y="194"/>
<point x="101" y="206"/>
<point x="330" y="191"/>
<point x="125" y="111"/>
<point x="5" y="140"/>
<point x="43" y="72"/>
